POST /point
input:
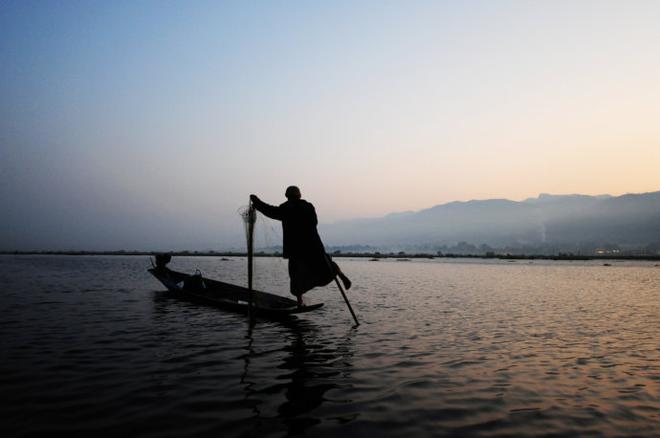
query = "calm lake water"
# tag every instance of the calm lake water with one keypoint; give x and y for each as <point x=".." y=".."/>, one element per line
<point x="94" y="346"/>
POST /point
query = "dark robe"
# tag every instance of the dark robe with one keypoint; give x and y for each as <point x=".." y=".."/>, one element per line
<point x="309" y="265"/>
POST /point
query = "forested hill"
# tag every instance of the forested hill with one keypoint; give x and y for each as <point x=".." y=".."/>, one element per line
<point x="558" y="221"/>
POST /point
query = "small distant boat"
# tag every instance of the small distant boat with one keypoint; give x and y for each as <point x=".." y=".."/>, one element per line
<point x="227" y="296"/>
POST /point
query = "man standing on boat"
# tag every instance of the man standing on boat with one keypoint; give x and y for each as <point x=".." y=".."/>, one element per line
<point x="309" y="265"/>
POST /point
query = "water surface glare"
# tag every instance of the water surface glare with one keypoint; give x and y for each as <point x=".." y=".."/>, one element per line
<point x="446" y="348"/>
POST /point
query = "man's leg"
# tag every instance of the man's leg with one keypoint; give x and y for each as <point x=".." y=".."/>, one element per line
<point x="344" y="279"/>
<point x="295" y="278"/>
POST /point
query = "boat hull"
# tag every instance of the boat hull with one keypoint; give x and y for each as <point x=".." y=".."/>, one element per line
<point x="228" y="296"/>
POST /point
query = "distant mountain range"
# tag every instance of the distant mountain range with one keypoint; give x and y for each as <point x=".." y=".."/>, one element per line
<point x="549" y="223"/>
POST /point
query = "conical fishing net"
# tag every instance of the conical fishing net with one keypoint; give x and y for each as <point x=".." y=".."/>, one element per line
<point x="249" y="216"/>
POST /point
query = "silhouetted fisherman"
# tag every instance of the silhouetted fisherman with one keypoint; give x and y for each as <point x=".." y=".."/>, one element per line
<point x="309" y="265"/>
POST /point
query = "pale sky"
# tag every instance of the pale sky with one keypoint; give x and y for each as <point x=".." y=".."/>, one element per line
<point x="146" y="125"/>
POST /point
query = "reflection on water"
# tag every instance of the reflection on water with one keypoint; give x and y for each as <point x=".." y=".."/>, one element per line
<point x="308" y="370"/>
<point x="288" y="367"/>
<point x="446" y="348"/>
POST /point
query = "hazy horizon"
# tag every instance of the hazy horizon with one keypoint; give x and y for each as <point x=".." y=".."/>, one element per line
<point x="268" y="232"/>
<point x="146" y="125"/>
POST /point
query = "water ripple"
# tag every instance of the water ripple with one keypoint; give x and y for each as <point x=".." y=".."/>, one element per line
<point x="446" y="348"/>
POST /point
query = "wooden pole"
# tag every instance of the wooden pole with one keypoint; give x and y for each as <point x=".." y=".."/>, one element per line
<point x="252" y="216"/>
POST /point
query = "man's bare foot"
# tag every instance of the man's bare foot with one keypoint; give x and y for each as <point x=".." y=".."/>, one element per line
<point x="346" y="281"/>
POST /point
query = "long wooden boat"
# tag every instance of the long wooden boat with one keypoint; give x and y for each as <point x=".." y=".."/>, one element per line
<point x="227" y="296"/>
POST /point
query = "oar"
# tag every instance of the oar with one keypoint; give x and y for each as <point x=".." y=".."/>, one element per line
<point x="343" y="294"/>
<point x="341" y="289"/>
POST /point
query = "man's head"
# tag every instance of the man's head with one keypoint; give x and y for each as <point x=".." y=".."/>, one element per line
<point x="292" y="192"/>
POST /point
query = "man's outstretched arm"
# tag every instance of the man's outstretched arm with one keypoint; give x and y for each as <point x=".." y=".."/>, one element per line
<point x="271" y="211"/>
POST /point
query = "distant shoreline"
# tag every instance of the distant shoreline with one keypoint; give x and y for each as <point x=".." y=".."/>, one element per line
<point x="373" y="256"/>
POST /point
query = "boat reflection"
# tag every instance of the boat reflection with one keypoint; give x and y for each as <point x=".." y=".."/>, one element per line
<point x="287" y="370"/>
